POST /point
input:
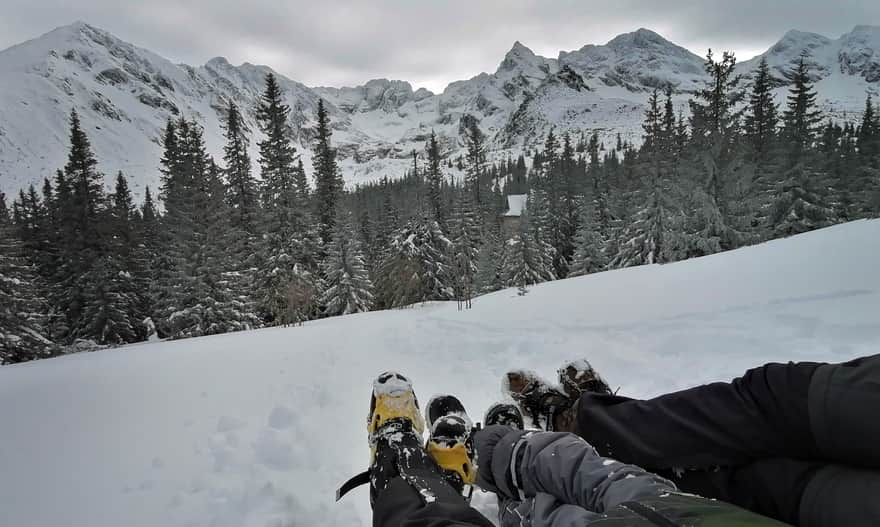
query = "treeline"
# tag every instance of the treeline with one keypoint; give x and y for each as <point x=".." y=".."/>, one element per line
<point x="82" y="268"/>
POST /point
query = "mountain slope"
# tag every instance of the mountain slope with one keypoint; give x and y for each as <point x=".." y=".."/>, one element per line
<point x="125" y="94"/>
<point x="258" y="428"/>
<point x="844" y="69"/>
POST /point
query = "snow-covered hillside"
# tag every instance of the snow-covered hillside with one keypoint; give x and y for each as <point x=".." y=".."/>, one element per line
<point x="256" y="429"/>
<point x="125" y="94"/>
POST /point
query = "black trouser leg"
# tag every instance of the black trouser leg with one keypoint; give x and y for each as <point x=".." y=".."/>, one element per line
<point x="844" y="410"/>
<point x="407" y="488"/>
<point x="763" y="414"/>
<point x="772" y="487"/>
<point x="401" y="505"/>
<point x="821" y="414"/>
<point x="804" y="493"/>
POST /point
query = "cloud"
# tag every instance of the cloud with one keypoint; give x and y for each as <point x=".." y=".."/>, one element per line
<point x="430" y="43"/>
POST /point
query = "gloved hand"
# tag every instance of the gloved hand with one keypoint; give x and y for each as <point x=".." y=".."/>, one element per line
<point x="494" y="445"/>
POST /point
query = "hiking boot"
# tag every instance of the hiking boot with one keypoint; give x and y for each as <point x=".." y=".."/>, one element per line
<point x="451" y="441"/>
<point x="538" y="400"/>
<point x="504" y="414"/>
<point x="579" y="377"/>
<point x="394" y="430"/>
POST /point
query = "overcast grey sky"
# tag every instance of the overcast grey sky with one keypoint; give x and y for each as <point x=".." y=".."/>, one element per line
<point x="429" y="43"/>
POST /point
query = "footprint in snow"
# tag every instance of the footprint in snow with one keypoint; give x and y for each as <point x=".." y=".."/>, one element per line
<point x="281" y="418"/>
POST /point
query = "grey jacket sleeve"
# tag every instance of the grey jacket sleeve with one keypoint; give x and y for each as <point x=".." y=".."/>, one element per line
<point x="543" y="511"/>
<point x="525" y="464"/>
<point x="568" y="468"/>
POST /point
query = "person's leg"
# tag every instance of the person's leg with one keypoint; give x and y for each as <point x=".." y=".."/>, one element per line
<point x="844" y="404"/>
<point x="841" y="495"/>
<point x="804" y="493"/>
<point x="772" y="487"/>
<point x="400" y="504"/>
<point x="407" y="487"/>
<point x="763" y="414"/>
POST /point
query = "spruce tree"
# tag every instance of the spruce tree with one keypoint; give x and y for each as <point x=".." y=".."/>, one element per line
<point x="225" y="302"/>
<point x="523" y="262"/>
<point x="328" y="180"/>
<point x="166" y="263"/>
<point x="714" y="161"/>
<point x="148" y="252"/>
<point x="800" y="203"/>
<point x="348" y="285"/>
<point x="106" y="316"/>
<point x="77" y="280"/>
<point x="173" y="285"/>
<point x="669" y="145"/>
<point x="566" y="188"/>
<point x="30" y="214"/>
<point x="760" y="129"/>
<point x="24" y="334"/>
<point x="465" y="236"/>
<point x="644" y="239"/>
<point x="434" y="177"/>
<point x="196" y="289"/>
<point x="242" y="194"/>
<point x="864" y="186"/>
<point x="288" y="285"/>
<point x="301" y="182"/>
<point x="762" y="117"/>
<point x="115" y="313"/>
<point x="476" y="163"/>
<point x="540" y="228"/>
<point x="415" y="267"/>
<point x="802" y="116"/>
<point x="589" y="255"/>
<point x="490" y="259"/>
<point x="5" y="217"/>
<point x="148" y="227"/>
<point x="596" y="175"/>
<point x="277" y="153"/>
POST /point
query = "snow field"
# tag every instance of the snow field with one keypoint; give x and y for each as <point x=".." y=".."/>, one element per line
<point x="257" y="429"/>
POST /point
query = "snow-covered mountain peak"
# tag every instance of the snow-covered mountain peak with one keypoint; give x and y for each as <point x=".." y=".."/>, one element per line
<point x="125" y="94"/>
<point x="638" y="61"/>
<point x="860" y="52"/>
<point x="219" y="63"/>
<point x="864" y="29"/>
<point x="855" y="55"/>
<point x="36" y="52"/>
<point x="796" y="42"/>
<point x="517" y="54"/>
<point x="523" y="60"/>
<point x="377" y="94"/>
<point x="643" y="39"/>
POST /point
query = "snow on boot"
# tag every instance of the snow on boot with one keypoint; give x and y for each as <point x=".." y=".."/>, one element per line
<point x="577" y="377"/>
<point x="504" y="414"/>
<point x="393" y="398"/>
<point x="395" y="427"/>
<point x="540" y="401"/>
<point x="451" y="441"/>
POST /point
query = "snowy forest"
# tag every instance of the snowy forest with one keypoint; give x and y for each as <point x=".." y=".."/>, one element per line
<point x="219" y="248"/>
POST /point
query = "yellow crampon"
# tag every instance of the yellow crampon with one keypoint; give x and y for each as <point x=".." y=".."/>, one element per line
<point x="455" y="459"/>
<point x="392" y="402"/>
